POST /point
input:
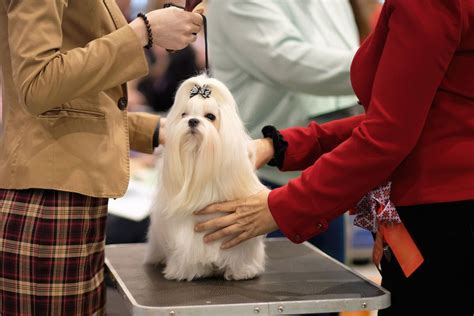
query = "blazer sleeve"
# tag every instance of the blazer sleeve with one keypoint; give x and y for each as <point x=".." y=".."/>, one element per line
<point x="307" y="144"/>
<point x="141" y="127"/>
<point x="422" y="38"/>
<point x="47" y="77"/>
<point x="267" y="44"/>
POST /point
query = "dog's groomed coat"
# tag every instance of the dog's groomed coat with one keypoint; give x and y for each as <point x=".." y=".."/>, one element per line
<point x="206" y="159"/>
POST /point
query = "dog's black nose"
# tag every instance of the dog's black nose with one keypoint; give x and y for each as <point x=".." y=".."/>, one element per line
<point x="193" y="122"/>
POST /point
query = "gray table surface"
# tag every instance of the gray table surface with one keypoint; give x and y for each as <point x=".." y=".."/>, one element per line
<point x="298" y="279"/>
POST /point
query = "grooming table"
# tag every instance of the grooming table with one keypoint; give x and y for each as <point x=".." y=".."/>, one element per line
<point x="298" y="279"/>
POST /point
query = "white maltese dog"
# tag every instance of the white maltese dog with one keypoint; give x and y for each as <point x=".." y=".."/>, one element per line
<point x="206" y="159"/>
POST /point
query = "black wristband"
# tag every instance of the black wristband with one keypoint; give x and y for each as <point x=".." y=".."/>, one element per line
<point x="156" y="135"/>
<point x="279" y="145"/>
<point x="148" y="29"/>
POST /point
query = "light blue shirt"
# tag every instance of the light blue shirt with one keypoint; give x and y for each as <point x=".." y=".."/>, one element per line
<point x="284" y="61"/>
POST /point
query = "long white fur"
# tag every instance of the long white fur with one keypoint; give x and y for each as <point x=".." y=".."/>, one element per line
<point x="212" y="165"/>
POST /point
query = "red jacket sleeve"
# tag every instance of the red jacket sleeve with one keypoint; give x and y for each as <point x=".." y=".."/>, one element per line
<point x="307" y="144"/>
<point x="421" y="39"/>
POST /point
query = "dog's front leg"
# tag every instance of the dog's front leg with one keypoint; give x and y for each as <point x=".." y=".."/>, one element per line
<point x="245" y="261"/>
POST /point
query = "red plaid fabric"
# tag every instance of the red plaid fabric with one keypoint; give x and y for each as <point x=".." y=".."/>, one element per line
<point x="51" y="253"/>
<point x="375" y="207"/>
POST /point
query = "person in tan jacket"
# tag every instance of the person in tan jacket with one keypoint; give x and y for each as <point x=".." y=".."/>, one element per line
<point x="66" y="141"/>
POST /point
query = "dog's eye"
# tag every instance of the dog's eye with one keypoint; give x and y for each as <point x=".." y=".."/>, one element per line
<point x="183" y="114"/>
<point x="211" y="117"/>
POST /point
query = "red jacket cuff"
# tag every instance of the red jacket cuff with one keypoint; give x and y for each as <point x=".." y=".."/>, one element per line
<point x="297" y="229"/>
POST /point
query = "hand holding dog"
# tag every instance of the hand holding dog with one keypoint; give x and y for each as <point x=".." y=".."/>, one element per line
<point x="247" y="218"/>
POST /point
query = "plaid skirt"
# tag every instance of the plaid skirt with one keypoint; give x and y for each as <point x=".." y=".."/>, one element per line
<point x="51" y="253"/>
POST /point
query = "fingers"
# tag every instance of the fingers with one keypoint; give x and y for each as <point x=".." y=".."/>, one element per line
<point x="225" y="232"/>
<point x="215" y="223"/>
<point x="193" y="28"/>
<point x="192" y="38"/>
<point x="226" y="207"/>
<point x="236" y="241"/>
<point x="173" y="28"/>
<point x="196" y="19"/>
<point x="232" y="230"/>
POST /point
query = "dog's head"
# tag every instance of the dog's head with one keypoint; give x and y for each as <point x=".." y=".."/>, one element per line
<point x="204" y="108"/>
<point x="204" y="133"/>
<point x="195" y="115"/>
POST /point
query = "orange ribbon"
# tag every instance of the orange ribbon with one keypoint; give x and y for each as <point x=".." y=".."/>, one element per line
<point x="401" y="244"/>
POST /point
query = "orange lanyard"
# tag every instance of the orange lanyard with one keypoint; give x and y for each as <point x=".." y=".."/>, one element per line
<point x="401" y="244"/>
<point x="375" y="212"/>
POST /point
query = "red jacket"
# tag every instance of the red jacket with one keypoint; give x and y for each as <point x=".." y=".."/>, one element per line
<point x="415" y="77"/>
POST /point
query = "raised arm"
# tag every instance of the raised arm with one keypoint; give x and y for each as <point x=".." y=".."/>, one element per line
<point x="47" y="77"/>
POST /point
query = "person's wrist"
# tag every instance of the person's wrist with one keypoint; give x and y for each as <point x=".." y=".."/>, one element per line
<point x="139" y="27"/>
<point x="263" y="151"/>
<point x="149" y="31"/>
<point x="267" y="148"/>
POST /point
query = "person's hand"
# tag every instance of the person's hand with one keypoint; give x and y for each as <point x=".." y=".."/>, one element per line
<point x="247" y="218"/>
<point x="161" y="135"/>
<point x="263" y="151"/>
<point x="172" y="28"/>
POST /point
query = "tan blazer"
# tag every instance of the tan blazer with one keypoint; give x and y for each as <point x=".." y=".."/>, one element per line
<point x="66" y="127"/>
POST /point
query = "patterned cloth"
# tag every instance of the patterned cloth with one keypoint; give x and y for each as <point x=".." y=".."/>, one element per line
<point x="51" y="253"/>
<point x="375" y="207"/>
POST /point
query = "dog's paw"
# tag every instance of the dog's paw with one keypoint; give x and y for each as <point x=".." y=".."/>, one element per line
<point x="246" y="273"/>
<point x="171" y="276"/>
<point x="181" y="272"/>
<point x="175" y="275"/>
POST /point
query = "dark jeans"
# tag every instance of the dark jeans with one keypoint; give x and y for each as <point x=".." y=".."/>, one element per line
<point x="444" y="283"/>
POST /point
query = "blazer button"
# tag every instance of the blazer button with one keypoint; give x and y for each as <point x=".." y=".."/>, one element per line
<point x="122" y="103"/>
<point x="320" y="226"/>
